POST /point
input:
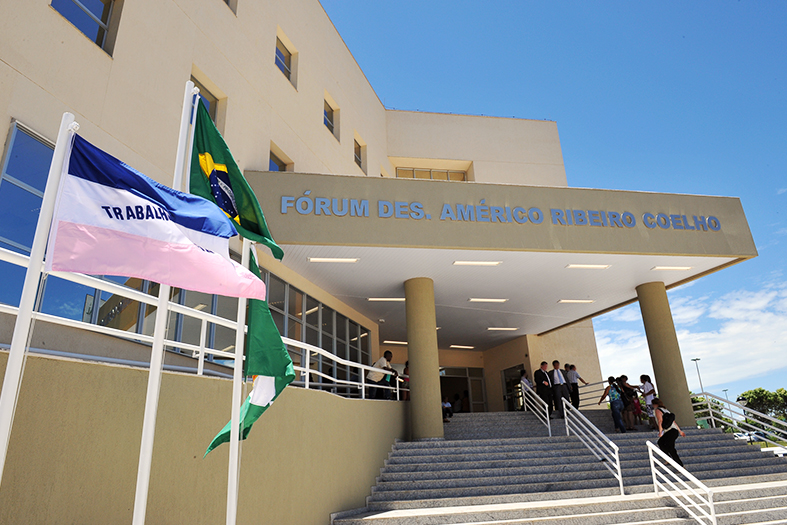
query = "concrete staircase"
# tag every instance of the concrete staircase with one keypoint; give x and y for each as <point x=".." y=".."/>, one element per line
<point x="503" y="468"/>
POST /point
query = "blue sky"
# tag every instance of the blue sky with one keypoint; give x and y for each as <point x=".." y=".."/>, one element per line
<point x="678" y="97"/>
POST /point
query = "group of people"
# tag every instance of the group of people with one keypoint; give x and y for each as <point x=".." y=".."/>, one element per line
<point x="382" y="382"/>
<point x="625" y="405"/>
<point x="459" y="405"/>
<point x="552" y="386"/>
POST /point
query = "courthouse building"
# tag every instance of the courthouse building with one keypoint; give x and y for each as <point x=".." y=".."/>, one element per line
<point x="453" y="241"/>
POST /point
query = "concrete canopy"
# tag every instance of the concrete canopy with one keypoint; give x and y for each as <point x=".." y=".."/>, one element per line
<point x="401" y="229"/>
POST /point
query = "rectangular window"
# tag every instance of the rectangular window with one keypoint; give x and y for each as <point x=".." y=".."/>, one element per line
<point x="328" y="117"/>
<point x="425" y="173"/>
<point x="210" y="101"/>
<point x="92" y="17"/>
<point x="276" y="164"/>
<point x="283" y="59"/>
<point x="358" y="155"/>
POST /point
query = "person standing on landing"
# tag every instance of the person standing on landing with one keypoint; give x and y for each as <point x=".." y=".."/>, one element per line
<point x="668" y="430"/>
<point x="544" y="385"/>
<point x="573" y="380"/>
<point x="649" y="393"/>
<point x="559" y="388"/>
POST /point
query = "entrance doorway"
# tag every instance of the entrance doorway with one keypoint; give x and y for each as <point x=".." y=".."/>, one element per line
<point x="512" y="390"/>
<point x="466" y="383"/>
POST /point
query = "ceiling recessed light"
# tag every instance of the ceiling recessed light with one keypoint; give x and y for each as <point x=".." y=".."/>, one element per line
<point x="362" y="335"/>
<point x="201" y="306"/>
<point x="588" y="266"/>
<point x="333" y="259"/>
<point x="501" y="329"/>
<point x="671" y="268"/>
<point x="576" y="301"/>
<point x="386" y="299"/>
<point x="312" y="310"/>
<point x="477" y="263"/>
<point x="394" y="342"/>
<point x="462" y="347"/>
<point x="227" y="349"/>
<point x="483" y="300"/>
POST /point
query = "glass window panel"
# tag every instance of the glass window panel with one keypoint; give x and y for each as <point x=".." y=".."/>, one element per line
<point x="457" y="175"/>
<point x="477" y="391"/>
<point x="29" y="160"/>
<point x="455" y="372"/>
<point x="353" y="355"/>
<point x="404" y="173"/>
<point x="227" y="307"/>
<point x="116" y="311"/>
<point x="66" y="299"/>
<point x="475" y="372"/>
<point x="423" y="174"/>
<point x="283" y="58"/>
<point x="276" y="291"/>
<point x="295" y="305"/>
<point x="18" y="215"/>
<point x="173" y="318"/>
<point x="210" y="101"/>
<point x="312" y="337"/>
<point x="191" y="325"/>
<point x="341" y="327"/>
<point x="294" y="330"/>
<point x="327" y="320"/>
<point x="328" y="116"/>
<point x="439" y="175"/>
<point x="12" y="278"/>
<point x="312" y="312"/>
<point x="353" y="335"/>
<point x="224" y="339"/>
<point x="327" y="343"/>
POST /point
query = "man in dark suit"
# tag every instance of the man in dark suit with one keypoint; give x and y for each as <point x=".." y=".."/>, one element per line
<point x="559" y="388"/>
<point x="543" y="385"/>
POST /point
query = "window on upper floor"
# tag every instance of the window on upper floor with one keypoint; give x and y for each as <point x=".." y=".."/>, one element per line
<point x="283" y="59"/>
<point x="328" y="117"/>
<point x="211" y="102"/>
<point x="359" y="153"/>
<point x="426" y="173"/>
<point x="97" y="19"/>
<point x="276" y="164"/>
<point x="232" y="4"/>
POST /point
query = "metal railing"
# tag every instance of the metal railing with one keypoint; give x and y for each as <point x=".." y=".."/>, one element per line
<point x="538" y="406"/>
<point x="739" y="418"/>
<point x="594" y="439"/>
<point x="200" y="351"/>
<point x="690" y="493"/>
<point x="590" y="393"/>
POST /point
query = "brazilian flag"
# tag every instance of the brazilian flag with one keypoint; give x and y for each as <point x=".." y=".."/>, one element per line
<point x="216" y="177"/>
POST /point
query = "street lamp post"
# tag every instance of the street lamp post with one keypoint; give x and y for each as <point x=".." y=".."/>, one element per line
<point x="710" y="412"/>
<point x="729" y="407"/>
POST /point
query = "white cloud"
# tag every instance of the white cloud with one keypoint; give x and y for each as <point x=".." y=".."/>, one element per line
<point x="781" y="190"/>
<point x="740" y="335"/>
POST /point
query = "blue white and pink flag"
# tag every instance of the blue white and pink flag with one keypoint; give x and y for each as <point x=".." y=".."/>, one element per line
<point x="112" y="220"/>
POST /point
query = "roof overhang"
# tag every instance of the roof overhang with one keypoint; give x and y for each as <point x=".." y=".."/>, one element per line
<point x="401" y="229"/>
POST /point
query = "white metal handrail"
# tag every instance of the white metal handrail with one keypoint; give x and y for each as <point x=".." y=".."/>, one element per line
<point x="590" y="392"/>
<point x="594" y="439"/>
<point x="538" y="406"/>
<point x="693" y="499"/>
<point x="739" y="414"/>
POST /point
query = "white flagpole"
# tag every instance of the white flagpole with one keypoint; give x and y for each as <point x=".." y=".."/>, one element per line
<point x="157" y="352"/>
<point x="16" y="357"/>
<point x="237" y="380"/>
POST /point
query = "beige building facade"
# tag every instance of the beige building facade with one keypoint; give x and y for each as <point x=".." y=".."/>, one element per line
<point x="463" y="249"/>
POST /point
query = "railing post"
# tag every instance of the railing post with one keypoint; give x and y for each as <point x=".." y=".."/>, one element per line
<point x="363" y="385"/>
<point x="653" y="472"/>
<point x="710" y="412"/>
<point x="308" y="362"/>
<point x="566" y="414"/>
<point x="202" y="337"/>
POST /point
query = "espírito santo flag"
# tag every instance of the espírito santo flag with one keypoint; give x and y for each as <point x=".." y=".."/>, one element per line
<point x="215" y="176"/>
<point x="267" y="359"/>
<point x="110" y="219"/>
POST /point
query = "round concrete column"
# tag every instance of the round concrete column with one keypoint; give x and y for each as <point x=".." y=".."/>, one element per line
<point x="426" y="413"/>
<point x="664" y="352"/>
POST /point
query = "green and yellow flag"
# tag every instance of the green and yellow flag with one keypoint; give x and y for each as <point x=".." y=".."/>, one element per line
<point x="215" y="176"/>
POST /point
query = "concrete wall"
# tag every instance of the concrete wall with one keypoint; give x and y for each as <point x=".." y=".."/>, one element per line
<point x="75" y="445"/>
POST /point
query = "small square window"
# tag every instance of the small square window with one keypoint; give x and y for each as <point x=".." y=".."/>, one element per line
<point x="283" y="59"/>
<point x="92" y="17"/>
<point x="328" y="117"/>
<point x="276" y="164"/>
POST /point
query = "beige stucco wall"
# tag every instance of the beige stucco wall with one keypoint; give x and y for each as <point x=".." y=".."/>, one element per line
<point x="74" y="448"/>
